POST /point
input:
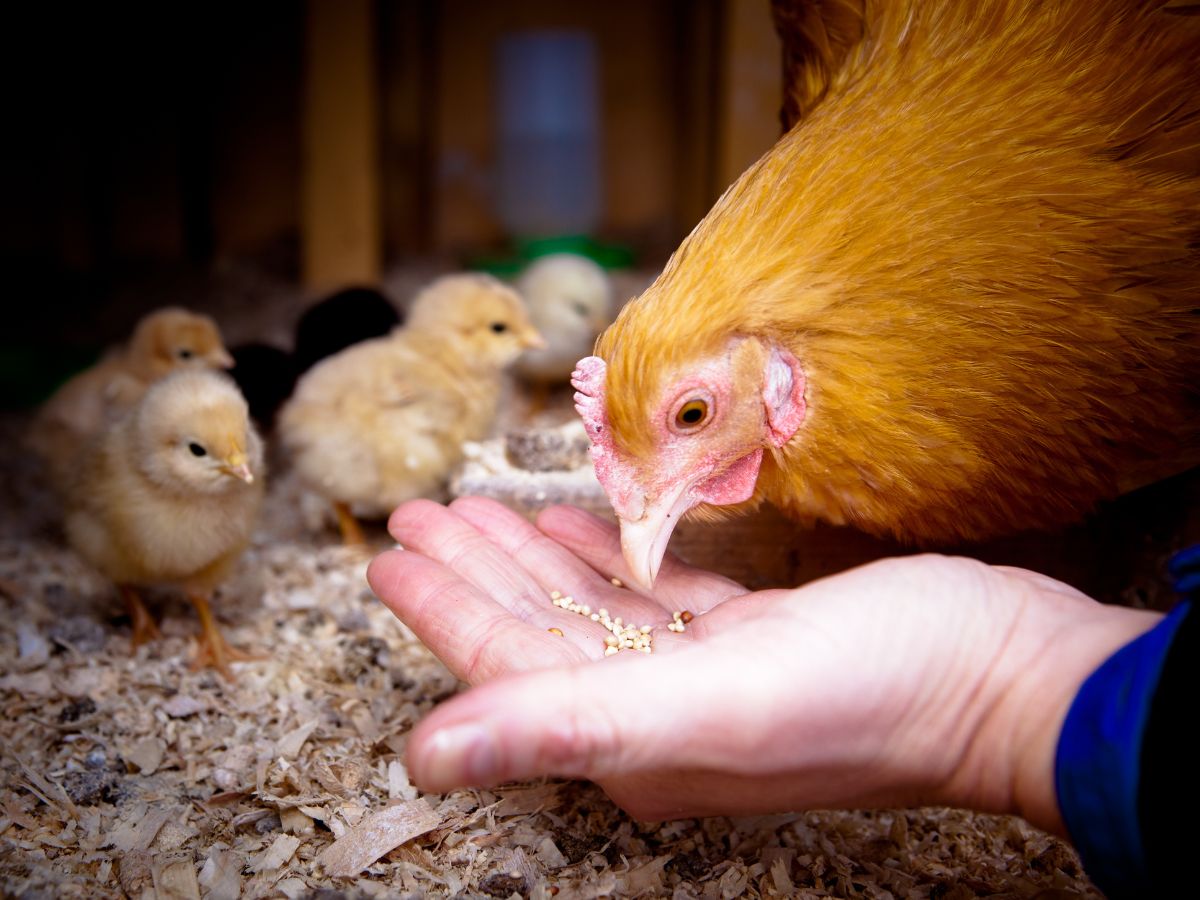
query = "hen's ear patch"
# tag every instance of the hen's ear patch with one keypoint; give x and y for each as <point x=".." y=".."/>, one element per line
<point x="783" y="395"/>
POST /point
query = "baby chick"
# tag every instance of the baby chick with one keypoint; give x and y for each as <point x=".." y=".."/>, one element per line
<point x="384" y="421"/>
<point x="267" y="374"/>
<point x="340" y="320"/>
<point x="570" y="303"/>
<point x="170" y="495"/>
<point x="163" y="341"/>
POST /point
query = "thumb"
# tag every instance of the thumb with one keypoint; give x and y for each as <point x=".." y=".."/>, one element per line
<point x="620" y="715"/>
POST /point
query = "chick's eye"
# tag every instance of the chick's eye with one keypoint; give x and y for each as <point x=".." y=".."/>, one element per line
<point x="184" y="353"/>
<point x="499" y="327"/>
<point x="692" y="414"/>
<point x="197" y="449"/>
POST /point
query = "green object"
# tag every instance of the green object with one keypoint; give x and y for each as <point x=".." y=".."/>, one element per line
<point x="28" y="375"/>
<point x="526" y="250"/>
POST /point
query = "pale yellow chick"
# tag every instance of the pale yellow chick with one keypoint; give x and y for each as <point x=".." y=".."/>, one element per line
<point x="170" y="495"/>
<point x="570" y="302"/>
<point x="384" y="421"/>
<point x="163" y="341"/>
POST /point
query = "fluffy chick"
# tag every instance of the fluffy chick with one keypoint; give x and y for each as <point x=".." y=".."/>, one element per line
<point x="384" y="421"/>
<point x="570" y="302"/>
<point x="163" y="341"/>
<point x="170" y="495"/>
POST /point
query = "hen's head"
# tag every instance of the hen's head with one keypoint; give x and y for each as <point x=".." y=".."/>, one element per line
<point x="192" y="435"/>
<point x="689" y="430"/>
<point x="172" y="338"/>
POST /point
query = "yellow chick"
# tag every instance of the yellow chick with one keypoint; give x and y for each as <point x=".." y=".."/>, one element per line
<point x="170" y="495"/>
<point x="163" y="341"/>
<point x="384" y="420"/>
<point x="570" y="302"/>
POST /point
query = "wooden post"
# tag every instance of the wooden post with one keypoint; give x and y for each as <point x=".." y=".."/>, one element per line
<point x="340" y="218"/>
<point x="750" y="89"/>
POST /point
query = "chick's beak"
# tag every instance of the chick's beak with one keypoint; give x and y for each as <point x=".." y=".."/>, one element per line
<point x="221" y="359"/>
<point x="644" y="537"/>
<point x="238" y="466"/>
<point x="533" y="340"/>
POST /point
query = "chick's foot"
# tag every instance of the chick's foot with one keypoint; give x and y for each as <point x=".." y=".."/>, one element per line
<point x="352" y="533"/>
<point x="144" y="628"/>
<point x="214" y="650"/>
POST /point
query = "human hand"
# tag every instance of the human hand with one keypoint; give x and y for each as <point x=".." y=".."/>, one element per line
<point x="918" y="680"/>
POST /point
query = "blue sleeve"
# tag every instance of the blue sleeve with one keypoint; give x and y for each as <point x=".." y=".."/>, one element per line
<point x="1099" y="761"/>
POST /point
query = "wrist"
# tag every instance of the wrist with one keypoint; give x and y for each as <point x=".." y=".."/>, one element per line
<point x="1058" y="640"/>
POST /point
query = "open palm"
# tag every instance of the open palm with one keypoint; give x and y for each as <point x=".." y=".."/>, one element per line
<point x="922" y="679"/>
<point x="487" y="575"/>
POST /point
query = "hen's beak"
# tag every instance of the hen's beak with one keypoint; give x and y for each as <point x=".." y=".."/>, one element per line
<point x="533" y="340"/>
<point x="238" y="466"/>
<point x="644" y="539"/>
<point x="221" y="359"/>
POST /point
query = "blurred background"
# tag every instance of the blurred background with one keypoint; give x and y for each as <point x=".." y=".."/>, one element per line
<point x="244" y="158"/>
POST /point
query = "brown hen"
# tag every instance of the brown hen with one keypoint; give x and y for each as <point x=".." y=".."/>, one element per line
<point x="958" y="299"/>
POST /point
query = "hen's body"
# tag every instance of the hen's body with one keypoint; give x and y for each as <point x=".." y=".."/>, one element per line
<point x="982" y="246"/>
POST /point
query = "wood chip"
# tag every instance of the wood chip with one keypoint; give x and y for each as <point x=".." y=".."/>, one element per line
<point x="33" y="650"/>
<point x="400" y="786"/>
<point x="296" y="822"/>
<point x="183" y="705"/>
<point x="146" y="755"/>
<point x="376" y="835"/>
<point x="280" y="851"/>
<point x="290" y="744"/>
<point x="221" y="875"/>
<point x="140" y="829"/>
<point x="176" y="880"/>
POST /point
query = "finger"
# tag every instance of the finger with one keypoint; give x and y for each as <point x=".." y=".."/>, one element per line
<point x="622" y="715"/>
<point x="475" y="637"/>
<point x="678" y="586"/>
<point x="554" y="566"/>
<point x="441" y="534"/>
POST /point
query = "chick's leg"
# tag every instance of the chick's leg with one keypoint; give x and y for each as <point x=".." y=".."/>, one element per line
<point x="352" y="534"/>
<point x="144" y="628"/>
<point x="215" y="651"/>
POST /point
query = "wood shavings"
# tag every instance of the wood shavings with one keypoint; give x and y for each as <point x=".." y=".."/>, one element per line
<point x="177" y="881"/>
<point x="146" y="755"/>
<point x="378" y="834"/>
<point x="139" y="830"/>
<point x="295" y="821"/>
<point x="529" y="470"/>
<point x="400" y="786"/>
<point x="183" y="705"/>
<point x="274" y="857"/>
<point x="288" y="746"/>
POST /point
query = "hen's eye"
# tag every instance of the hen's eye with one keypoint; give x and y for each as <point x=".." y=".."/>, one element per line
<point x="499" y="327"/>
<point x="580" y="309"/>
<point x="197" y="450"/>
<point x="691" y="414"/>
<point x="184" y="353"/>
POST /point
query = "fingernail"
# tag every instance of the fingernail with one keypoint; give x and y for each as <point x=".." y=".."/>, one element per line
<point x="463" y="754"/>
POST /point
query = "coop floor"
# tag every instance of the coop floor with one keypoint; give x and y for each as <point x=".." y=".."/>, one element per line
<point x="132" y="774"/>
